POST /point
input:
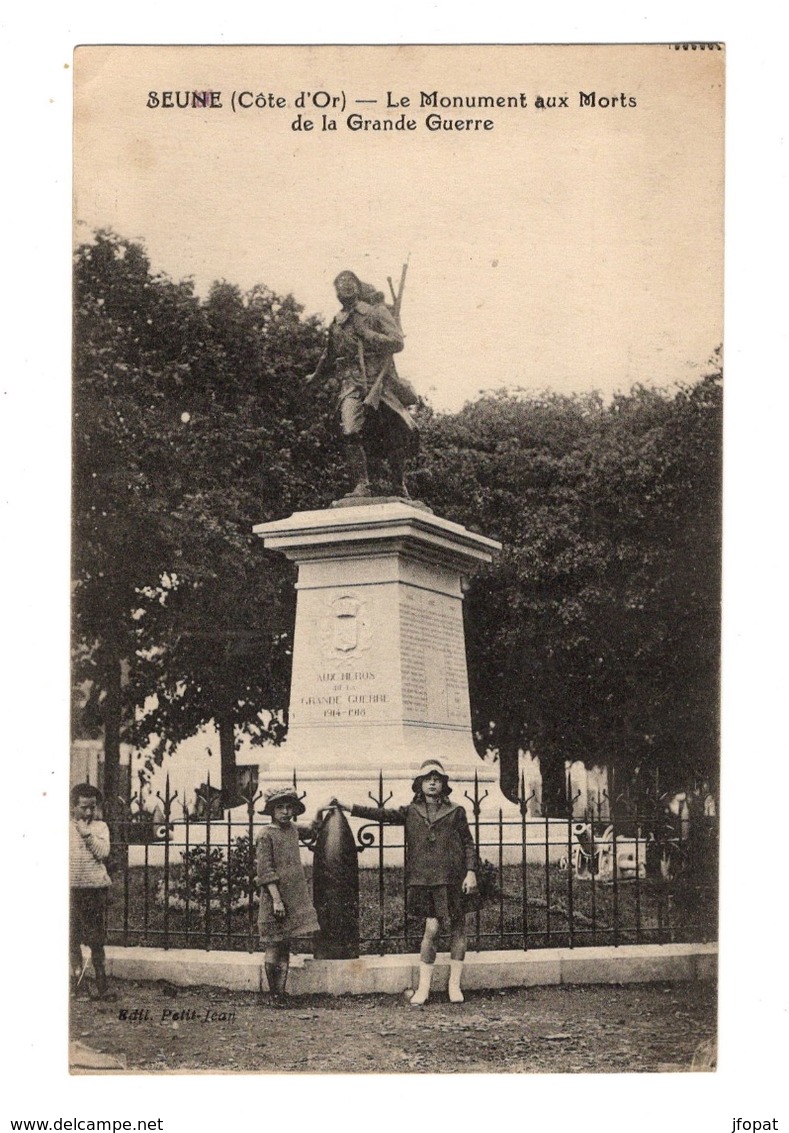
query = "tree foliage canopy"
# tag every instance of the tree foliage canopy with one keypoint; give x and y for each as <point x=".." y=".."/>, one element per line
<point x="596" y="635"/>
<point x="190" y="425"/>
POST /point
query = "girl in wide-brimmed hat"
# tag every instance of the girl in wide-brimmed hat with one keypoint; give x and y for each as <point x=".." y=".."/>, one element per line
<point x="286" y="909"/>
<point x="441" y="875"/>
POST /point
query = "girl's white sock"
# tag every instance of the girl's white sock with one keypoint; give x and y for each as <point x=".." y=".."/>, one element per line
<point x="422" y="992"/>
<point x="455" y="971"/>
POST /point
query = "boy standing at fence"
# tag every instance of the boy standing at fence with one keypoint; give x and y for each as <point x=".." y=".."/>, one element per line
<point x="441" y="878"/>
<point x="89" y="848"/>
<point x="286" y="910"/>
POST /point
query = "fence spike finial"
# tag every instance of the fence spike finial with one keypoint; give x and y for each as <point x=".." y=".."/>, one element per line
<point x="380" y="800"/>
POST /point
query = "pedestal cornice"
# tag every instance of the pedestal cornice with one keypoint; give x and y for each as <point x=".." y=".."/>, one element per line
<point x="378" y="529"/>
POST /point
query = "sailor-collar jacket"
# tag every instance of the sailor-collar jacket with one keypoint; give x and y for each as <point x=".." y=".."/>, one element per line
<point x="437" y="853"/>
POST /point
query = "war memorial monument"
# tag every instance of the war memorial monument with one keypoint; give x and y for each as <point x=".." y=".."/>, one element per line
<point x="379" y="680"/>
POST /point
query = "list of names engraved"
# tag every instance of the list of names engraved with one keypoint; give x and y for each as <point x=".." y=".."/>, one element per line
<point x="435" y="680"/>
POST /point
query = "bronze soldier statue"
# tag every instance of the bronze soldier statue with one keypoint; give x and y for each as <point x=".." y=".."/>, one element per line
<point x="372" y="398"/>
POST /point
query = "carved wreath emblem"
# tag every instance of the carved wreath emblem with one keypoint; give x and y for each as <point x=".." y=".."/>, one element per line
<point x="345" y="628"/>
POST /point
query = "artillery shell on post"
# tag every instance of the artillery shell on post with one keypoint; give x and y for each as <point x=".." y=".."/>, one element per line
<point x="335" y="874"/>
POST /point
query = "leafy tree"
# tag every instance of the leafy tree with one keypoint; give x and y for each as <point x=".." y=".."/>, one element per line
<point x="596" y="636"/>
<point x="254" y="448"/>
<point x="132" y="346"/>
<point x="191" y="425"/>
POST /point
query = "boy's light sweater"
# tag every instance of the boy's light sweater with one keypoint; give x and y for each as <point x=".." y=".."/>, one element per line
<point x="87" y="854"/>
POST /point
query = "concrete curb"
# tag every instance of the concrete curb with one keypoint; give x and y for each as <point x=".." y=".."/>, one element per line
<point x="242" y="971"/>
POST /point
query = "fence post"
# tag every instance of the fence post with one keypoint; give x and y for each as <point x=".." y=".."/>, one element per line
<point x="523" y="804"/>
<point x="167" y="800"/>
<point x="208" y="848"/>
<point x="250" y="800"/>
<point x="381" y="802"/>
<point x="124" y="828"/>
<point x="476" y="806"/>
<point x="571" y="800"/>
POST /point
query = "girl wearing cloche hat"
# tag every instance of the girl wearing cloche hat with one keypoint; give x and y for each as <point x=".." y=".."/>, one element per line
<point x="286" y="910"/>
<point x="441" y="875"/>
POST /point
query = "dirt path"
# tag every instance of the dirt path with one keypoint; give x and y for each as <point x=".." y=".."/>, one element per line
<point x="645" y="1027"/>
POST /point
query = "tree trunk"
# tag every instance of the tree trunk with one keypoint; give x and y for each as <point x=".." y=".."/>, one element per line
<point x="115" y="811"/>
<point x="509" y="780"/>
<point x="227" y="758"/>
<point x="112" y="740"/>
<point x="554" y="786"/>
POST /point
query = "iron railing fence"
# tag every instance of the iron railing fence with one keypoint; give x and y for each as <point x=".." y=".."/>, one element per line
<point x="631" y="872"/>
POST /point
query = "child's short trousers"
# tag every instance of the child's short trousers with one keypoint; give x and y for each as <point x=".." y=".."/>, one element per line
<point x="446" y="902"/>
<point x="88" y="915"/>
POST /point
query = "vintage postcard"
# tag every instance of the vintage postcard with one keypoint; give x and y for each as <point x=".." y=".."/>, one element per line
<point x="397" y="558"/>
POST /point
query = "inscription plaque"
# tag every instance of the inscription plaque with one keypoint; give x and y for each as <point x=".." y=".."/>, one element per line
<point x="435" y="681"/>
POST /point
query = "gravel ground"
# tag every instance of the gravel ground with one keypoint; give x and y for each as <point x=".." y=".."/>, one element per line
<point x="155" y="1027"/>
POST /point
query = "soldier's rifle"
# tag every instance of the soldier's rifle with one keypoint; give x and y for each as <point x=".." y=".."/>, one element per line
<point x="373" y="398"/>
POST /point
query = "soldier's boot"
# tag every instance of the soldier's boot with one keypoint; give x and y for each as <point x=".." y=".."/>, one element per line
<point x="356" y="461"/>
<point x="397" y="468"/>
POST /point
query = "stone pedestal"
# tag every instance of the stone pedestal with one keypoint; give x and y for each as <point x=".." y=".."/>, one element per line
<point x="379" y="665"/>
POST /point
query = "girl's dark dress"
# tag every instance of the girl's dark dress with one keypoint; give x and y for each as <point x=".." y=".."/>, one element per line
<point x="278" y="860"/>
